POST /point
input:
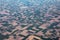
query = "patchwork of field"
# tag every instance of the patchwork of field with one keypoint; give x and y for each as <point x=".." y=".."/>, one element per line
<point x="29" y="19"/>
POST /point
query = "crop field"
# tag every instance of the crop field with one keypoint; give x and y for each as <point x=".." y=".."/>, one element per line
<point x="29" y="19"/>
